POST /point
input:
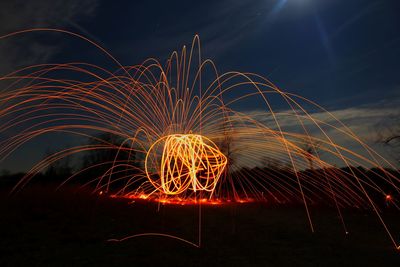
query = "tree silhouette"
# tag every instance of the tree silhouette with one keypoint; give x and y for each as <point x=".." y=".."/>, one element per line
<point x="109" y="159"/>
<point x="390" y="137"/>
<point x="310" y="150"/>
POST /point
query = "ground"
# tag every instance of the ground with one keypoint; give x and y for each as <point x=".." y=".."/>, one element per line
<point x="42" y="227"/>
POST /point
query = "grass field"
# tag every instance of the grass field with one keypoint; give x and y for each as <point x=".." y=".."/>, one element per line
<point x="42" y="227"/>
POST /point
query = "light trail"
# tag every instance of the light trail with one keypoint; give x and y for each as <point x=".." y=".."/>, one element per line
<point x="178" y="138"/>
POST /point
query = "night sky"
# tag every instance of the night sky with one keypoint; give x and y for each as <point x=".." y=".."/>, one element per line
<point x="341" y="54"/>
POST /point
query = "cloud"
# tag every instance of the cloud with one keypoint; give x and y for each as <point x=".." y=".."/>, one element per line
<point x="28" y="49"/>
<point x="18" y="15"/>
<point x="220" y="24"/>
<point x="371" y="114"/>
<point x="371" y="123"/>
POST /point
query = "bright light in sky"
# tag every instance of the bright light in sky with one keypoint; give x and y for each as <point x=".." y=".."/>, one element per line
<point x="278" y="6"/>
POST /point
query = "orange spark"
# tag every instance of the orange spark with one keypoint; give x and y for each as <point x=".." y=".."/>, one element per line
<point x="187" y="161"/>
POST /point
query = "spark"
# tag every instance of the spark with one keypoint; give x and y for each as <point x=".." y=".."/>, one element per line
<point x="181" y="139"/>
<point x="188" y="161"/>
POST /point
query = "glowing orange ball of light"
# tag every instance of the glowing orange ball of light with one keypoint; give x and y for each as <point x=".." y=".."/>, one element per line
<point x="180" y="162"/>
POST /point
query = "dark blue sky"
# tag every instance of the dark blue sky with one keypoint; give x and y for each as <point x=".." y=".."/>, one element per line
<point x="341" y="54"/>
<point x="338" y="53"/>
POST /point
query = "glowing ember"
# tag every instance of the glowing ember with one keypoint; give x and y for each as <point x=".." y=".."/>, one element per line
<point x="181" y="162"/>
